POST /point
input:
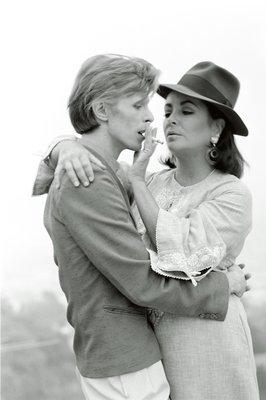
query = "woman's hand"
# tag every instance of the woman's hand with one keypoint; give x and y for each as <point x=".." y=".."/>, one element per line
<point x="137" y="171"/>
<point x="76" y="161"/>
<point x="238" y="279"/>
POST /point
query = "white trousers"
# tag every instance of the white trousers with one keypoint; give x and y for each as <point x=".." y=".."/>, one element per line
<point x="147" y="384"/>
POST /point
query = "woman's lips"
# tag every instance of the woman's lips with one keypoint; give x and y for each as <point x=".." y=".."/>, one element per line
<point x="170" y="133"/>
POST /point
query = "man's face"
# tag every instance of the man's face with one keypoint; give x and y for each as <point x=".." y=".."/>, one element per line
<point x="127" y="120"/>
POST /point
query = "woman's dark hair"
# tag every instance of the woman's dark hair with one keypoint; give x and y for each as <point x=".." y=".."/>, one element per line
<point x="230" y="159"/>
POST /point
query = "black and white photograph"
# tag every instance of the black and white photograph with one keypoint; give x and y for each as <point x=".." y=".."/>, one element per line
<point x="133" y="200"/>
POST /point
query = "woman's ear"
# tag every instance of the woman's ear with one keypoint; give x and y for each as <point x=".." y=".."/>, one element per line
<point x="100" y="111"/>
<point x="219" y="125"/>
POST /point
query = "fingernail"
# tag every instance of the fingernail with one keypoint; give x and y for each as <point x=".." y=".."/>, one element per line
<point x="91" y="179"/>
<point x="86" y="183"/>
<point x="76" y="183"/>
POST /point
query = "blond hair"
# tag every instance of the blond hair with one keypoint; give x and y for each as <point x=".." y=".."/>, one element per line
<point x="106" y="77"/>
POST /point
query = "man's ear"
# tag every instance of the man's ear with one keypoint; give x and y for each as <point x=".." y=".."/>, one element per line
<point x="100" y="111"/>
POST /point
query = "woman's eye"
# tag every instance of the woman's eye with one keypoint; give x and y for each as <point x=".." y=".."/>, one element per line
<point x="187" y="112"/>
<point x="137" y="106"/>
<point x="167" y="114"/>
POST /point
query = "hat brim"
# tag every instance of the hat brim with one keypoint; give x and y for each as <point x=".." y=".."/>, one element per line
<point x="236" y="123"/>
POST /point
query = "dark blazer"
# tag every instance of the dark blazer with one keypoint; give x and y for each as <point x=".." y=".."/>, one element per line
<point x="105" y="273"/>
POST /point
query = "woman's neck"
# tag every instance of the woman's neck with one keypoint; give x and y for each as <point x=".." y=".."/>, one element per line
<point x="191" y="170"/>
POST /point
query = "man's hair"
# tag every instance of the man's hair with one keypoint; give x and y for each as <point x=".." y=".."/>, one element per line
<point x="106" y="77"/>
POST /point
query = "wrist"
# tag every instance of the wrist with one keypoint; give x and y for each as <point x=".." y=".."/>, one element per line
<point x="229" y="280"/>
<point x="60" y="146"/>
<point x="236" y="280"/>
<point x="137" y="181"/>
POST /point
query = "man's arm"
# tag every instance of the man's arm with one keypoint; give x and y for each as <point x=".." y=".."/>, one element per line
<point x="98" y="219"/>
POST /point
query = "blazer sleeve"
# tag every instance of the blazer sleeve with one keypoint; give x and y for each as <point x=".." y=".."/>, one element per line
<point x="45" y="173"/>
<point x="98" y="219"/>
<point x="43" y="180"/>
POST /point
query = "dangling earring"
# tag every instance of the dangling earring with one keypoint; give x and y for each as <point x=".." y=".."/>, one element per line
<point x="213" y="153"/>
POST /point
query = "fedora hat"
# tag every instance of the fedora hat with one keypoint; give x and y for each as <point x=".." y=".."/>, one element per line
<point x="209" y="82"/>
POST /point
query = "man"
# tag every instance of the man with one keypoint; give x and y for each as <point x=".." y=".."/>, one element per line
<point x="104" y="268"/>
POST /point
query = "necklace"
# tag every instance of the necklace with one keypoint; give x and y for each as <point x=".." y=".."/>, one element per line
<point x="176" y="178"/>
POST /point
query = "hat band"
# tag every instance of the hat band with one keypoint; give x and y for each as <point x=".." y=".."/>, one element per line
<point x="204" y="88"/>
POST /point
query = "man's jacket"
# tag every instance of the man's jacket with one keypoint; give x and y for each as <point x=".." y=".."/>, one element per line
<point x="104" y="271"/>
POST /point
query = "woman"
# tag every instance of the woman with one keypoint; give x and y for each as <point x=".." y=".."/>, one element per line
<point x="194" y="217"/>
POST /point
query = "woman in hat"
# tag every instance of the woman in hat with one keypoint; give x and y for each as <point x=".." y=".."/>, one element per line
<point x="194" y="217"/>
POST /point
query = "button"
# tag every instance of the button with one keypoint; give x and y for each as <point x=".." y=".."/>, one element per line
<point x="202" y="315"/>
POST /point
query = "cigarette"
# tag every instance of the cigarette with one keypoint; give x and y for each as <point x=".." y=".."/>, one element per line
<point x="157" y="140"/>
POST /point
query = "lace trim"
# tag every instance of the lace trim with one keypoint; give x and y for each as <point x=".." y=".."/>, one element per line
<point x="167" y="197"/>
<point x="205" y="258"/>
<point x="172" y="275"/>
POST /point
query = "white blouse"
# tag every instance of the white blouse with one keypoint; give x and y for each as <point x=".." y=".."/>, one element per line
<point x="200" y="227"/>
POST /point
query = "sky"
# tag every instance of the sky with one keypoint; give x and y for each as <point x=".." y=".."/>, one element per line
<point x="44" y="44"/>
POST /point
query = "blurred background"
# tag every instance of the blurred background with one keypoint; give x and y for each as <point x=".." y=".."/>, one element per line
<point x="44" y="44"/>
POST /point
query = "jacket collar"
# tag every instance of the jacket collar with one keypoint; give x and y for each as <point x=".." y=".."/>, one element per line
<point x="110" y="160"/>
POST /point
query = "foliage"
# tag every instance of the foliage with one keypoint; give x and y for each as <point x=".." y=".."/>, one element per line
<point x="257" y="322"/>
<point x="37" y="362"/>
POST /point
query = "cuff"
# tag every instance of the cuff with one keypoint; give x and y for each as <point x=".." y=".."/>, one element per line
<point x="55" y="142"/>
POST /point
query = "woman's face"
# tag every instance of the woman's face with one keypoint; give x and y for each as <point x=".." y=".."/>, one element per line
<point x="188" y="125"/>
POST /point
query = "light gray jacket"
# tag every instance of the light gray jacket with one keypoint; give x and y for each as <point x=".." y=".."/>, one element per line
<point x="104" y="271"/>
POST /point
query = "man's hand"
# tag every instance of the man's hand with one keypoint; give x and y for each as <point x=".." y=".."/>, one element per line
<point x="76" y="161"/>
<point x="238" y="280"/>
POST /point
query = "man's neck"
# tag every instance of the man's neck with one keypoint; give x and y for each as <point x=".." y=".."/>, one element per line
<point x="102" y="140"/>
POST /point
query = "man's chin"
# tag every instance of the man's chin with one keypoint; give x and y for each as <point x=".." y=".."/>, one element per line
<point x="135" y="147"/>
